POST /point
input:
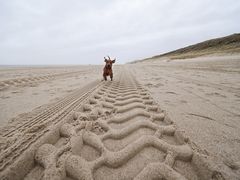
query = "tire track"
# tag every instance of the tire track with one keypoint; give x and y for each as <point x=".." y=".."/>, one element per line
<point x="117" y="132"/>
<point x="28" y="81"/>
<point x="22" y="136"/>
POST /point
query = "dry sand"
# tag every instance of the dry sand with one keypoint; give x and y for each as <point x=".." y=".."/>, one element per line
<point x="23" y="89"/>
<point x="202" y="96"/>
<point x="156" y="120"/>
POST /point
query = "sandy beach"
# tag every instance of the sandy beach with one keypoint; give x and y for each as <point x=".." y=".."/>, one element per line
<point x="202" y="96"/>
<point x="120" y="90"/>
<point x="160" y="119"/>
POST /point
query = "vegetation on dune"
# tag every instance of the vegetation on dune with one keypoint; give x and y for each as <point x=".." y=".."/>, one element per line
<point x="224" y="45"/>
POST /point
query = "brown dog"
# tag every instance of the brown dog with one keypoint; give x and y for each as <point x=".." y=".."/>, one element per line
<point x="107" y="70"/>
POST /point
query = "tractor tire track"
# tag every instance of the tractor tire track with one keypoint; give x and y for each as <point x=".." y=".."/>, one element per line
<point x="28" y="81"/>
<point x="116" y="131"/>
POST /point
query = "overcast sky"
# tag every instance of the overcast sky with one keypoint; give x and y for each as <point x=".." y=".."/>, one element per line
<point x="82" y="32"/>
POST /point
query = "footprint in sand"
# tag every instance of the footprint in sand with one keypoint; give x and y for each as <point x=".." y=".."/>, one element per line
<point x="216" y="94"/>
<point x="171" y="92"/>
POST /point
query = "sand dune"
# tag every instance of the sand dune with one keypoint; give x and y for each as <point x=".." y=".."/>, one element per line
<point x="161" y="120"/>
<point x="228" y="45"/>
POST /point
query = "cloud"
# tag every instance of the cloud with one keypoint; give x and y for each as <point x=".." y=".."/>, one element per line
<point x="82" y="32"/>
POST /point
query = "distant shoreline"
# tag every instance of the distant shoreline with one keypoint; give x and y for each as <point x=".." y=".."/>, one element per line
<point x="47" y="65"/>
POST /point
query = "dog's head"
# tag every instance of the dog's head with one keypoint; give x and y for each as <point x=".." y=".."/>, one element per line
<point x="109" y="62"/>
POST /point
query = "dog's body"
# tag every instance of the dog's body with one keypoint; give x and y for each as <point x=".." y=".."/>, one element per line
<point x="107" y="70"/>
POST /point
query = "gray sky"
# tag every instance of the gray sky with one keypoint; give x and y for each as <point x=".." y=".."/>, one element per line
<point x="82" y="32"/>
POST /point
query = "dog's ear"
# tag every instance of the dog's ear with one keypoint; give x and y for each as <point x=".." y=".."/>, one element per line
<point x="105" y="59"/>
<point x="113" y="61"/>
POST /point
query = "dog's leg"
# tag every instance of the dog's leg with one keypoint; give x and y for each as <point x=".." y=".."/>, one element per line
<point x="105" y="77"/>
<point x="111" y="76"/>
